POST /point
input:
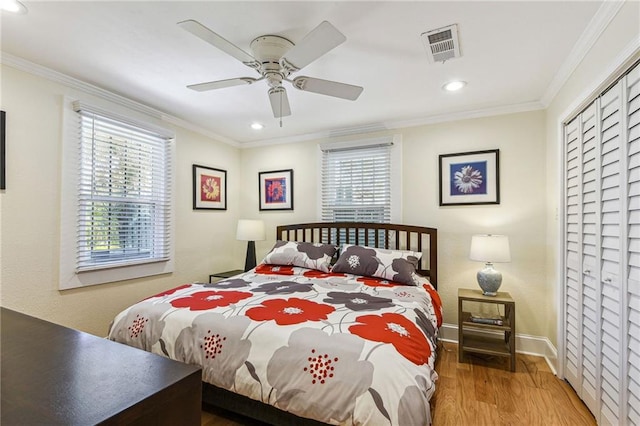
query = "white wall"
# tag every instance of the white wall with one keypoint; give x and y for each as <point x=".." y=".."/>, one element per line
<point x="521" y="213"/>
<point x="31" y="213"/>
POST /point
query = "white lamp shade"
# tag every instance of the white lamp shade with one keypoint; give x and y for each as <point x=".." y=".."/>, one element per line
<point x="250" y="230"/>
<point x="490" y="248"/>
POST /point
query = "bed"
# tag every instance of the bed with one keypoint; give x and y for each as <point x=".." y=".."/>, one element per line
<point x="337" y="325"/>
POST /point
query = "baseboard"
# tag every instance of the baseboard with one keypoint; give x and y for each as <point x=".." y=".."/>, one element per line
<point x="525" y="344"/>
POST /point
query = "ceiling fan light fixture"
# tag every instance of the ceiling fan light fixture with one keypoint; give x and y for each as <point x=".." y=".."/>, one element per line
<point x="13" y="6"/>
<point x="454" y="86"/>
<point x="257" y="126"/>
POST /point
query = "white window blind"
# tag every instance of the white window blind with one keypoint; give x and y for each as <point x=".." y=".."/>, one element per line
<point x="356" y="184"/>
<point x="124" y="193"/>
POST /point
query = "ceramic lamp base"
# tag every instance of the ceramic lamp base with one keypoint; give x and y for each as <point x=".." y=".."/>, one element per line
<point x="489" y="280"/>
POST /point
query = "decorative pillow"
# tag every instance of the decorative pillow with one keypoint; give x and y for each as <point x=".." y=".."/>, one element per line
<point x="393" y="265"/>
<point x="307" y="255"/>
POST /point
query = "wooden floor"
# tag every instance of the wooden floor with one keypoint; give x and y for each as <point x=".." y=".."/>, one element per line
<point x="483" y="392"/>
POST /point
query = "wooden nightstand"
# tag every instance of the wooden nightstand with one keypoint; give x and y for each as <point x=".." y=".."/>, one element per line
<point x="226" y="274"/>
<point x="483" y="343"/>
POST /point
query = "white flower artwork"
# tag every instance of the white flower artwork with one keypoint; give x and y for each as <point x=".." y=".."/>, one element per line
<point x="468" y="179"/>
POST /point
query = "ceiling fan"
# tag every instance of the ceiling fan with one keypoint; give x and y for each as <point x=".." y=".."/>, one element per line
<point x="275" y="58"/>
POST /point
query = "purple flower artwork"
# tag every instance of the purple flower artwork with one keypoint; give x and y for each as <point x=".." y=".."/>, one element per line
<point x="275" y="190"/>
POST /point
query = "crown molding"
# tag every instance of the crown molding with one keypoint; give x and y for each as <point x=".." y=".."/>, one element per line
<point x="399" y="124"/>
<point x="626" y="58"/>
<point x="598" y="24"/>
<point x="74" y="83"/>
<point x="469" y="114"/>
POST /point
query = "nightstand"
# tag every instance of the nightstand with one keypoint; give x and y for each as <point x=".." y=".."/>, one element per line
<point x="226" y="274"/>
<point x="487" y="339"/>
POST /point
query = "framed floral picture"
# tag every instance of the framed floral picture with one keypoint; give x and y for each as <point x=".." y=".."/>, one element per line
<point x="470" y="178"/>
<point x="276" y="190"/>
<point x="209" y="188"/>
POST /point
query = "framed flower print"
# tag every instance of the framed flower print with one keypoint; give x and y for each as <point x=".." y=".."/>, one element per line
<point x="209" y="188"/>
<point x="470" y="178"/>
<point x="276" y="190"/>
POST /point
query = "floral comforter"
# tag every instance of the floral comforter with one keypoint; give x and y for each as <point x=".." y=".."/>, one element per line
<point x="337" y="348"/>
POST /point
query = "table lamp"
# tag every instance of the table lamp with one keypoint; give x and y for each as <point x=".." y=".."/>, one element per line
<point x="490" y="249"/>
<point x="251" y="231"/>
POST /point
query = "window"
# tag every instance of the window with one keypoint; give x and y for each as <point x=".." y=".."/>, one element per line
<point x="123" y="201"/>
<point x="356" y="184"/>
<point x="359" y="181"/>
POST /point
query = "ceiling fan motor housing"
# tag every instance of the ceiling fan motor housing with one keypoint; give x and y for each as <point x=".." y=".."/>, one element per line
<point x="268" y="50"/>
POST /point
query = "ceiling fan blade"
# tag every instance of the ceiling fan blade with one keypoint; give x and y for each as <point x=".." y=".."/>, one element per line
<point x="319" y="41"/>
<point x="327" y="87"/>
<point x="279" y="102"/>
<point x="204" y="33"/>
<point x="220" y="84"/>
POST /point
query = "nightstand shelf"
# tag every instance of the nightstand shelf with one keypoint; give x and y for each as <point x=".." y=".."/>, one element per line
<point x="223" y="275"/>
<point x="487" y="339"/>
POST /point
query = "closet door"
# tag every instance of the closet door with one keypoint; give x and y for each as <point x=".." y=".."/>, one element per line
<point x="612" y="241"/>
<point x="591" y="247"/>
<point x="582" y="272"/>
<point x="602" y="253"/>
<point x="573" y="255"/>
<point x="633" y="266"/>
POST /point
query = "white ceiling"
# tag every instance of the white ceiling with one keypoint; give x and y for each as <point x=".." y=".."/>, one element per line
<point x="514" y="54"/>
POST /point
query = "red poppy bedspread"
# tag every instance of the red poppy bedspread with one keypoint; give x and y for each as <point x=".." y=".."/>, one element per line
<point x="337" y="348"/>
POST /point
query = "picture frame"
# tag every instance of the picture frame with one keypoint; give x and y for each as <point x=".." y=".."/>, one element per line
<point x="469" y="178"/>
<point x="276" y="190"/>
<point x="3" y="181"/>
<point x="209" y="188"/>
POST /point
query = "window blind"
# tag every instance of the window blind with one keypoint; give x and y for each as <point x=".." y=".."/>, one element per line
<point x="356" y="184"/>
<point x="123" y="215"/>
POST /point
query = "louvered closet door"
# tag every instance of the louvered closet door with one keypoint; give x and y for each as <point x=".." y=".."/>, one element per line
<point x="602" y="253"/>
<point x="573" y="265"/>
<point x="583" y="253"/>
<point x="633" y="267"/>
<point x="591" y="247"/>
<point x="611" y="237"/>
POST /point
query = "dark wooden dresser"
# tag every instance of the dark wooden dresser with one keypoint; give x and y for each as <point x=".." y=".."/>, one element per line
<point x="54" y="375"/>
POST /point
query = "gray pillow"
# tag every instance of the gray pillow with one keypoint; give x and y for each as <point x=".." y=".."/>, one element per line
<point x="393" y="265"/>
<point x="306" y="255"/>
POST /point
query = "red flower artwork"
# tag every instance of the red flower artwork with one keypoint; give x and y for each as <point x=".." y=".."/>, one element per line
<point x="275" y="190"/>
<point x="168" y="292"/>
<point x="437" y="303"/>
<point x="210" y="188"/>
<point x="376" y="282"/>
<point x="274" y="269"/>
<point x="203" y="300"/>
<point x="290" y="311"/>
<point x="314" y="273"/>
<point x="393" y="328"/>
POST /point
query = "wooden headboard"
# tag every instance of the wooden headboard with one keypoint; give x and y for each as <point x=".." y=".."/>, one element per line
<point x="379" y="235"/>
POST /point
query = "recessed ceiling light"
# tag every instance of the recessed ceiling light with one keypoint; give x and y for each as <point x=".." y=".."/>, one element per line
<point x="452" y="86"/>
<point x="13" y="6"/>
<point x="257" y="126"/>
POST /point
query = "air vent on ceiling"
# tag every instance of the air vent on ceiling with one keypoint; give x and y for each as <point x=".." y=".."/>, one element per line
<point x="442" y="44"/>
